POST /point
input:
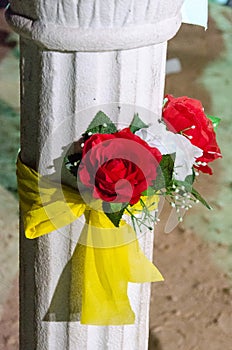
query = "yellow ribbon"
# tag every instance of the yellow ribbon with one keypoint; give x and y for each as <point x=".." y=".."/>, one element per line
<point x="105" y="259"/>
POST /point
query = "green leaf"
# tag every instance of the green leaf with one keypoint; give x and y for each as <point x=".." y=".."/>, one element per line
<point x="149" y="191"/>
<point x="114" y="211"/>
<point x="187" y="183"/>
<point x="116" y="207"/>
<point x="214" y="120"/>
<point x="190" y="178"/>
<point x="137" y="124"/>
<point x="72" y="163"/>
<point x="200" y="198"/>
<point x="164" y="177"/>
<point x="101" y="124"/>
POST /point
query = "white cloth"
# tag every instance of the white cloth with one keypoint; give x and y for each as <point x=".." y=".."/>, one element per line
<point x="195" y="12"/>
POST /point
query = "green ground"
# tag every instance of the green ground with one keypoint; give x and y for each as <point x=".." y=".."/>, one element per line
<point x="9" y="119"/>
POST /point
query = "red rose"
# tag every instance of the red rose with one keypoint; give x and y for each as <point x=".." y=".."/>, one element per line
<point x="186" y="116"/>
<point x="118" y="167"/>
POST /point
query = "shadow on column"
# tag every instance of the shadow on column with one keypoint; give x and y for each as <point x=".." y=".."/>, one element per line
<point x="66" y="302"/>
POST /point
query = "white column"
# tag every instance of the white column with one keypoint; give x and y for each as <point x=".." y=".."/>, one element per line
<point x="75" y="55"/>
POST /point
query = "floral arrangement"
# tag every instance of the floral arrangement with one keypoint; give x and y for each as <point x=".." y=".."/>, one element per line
<point x="120" y="176"/>
<point x="128" y="168"/>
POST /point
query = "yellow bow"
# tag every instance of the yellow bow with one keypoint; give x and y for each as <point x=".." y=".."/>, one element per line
<point x="105" y="259"/>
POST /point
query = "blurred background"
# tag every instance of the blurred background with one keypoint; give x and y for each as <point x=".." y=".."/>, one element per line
<point x="192" y="309"/>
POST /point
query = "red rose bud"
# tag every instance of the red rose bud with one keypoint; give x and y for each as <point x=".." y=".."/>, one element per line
<point x="186" y="116"/>
<point x="118" y="167"/>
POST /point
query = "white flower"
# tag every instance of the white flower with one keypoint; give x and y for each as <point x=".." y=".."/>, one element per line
<point x="168" y="142"/>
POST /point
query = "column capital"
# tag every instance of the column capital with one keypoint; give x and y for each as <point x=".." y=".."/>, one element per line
<point x="97" y="25"/>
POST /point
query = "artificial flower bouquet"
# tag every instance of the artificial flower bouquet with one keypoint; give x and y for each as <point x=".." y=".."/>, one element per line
<point x="128" y="168"/>
<point x="120" y="176"/>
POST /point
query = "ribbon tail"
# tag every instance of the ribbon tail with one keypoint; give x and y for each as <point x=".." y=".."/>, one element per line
<point x="104" y="299"/>
<point x="110" y="263"/>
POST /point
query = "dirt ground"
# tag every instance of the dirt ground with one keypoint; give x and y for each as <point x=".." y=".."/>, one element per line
<point x="192" y="308"/>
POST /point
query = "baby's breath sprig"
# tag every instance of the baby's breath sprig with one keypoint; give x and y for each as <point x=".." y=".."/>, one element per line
<point x="145" y="217"/>
<point x="181" y="198"/>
